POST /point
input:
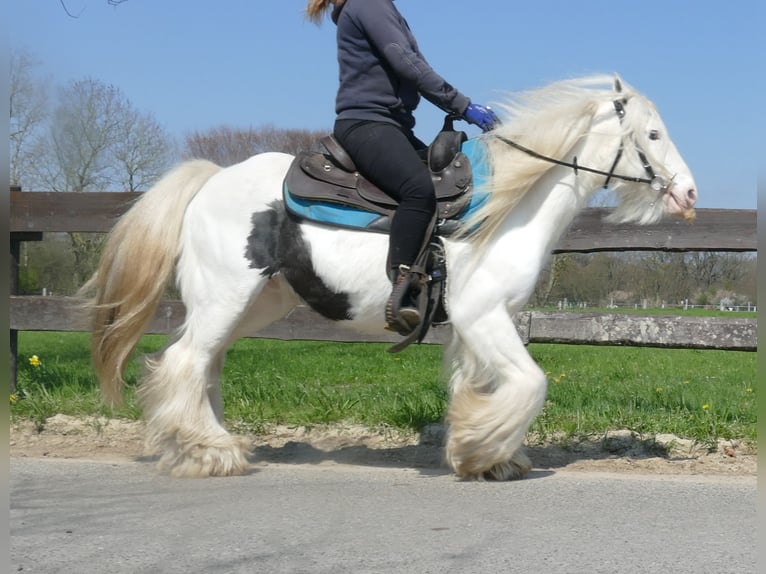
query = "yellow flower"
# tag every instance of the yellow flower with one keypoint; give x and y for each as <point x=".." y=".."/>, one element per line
<point x="705" y="407"/>
<point x="748" y="390"/>
<point x="35" y="361"/>
<point x="659" y="389"/>
<point x="13" y="399"/>
<point x="686" y="382"/>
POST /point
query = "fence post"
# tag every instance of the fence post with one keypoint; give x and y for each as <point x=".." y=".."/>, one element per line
<point x="14" y="287"/>
<point x="17" y="238"/>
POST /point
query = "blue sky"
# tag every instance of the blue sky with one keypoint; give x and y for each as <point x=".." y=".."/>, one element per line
<point x="201" y="64"/>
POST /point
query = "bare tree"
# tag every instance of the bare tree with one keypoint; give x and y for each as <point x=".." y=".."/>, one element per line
<point x="710" y="269"/>
<point x="141" y="152"/>
<point x="98" y="141"/>
<point x="550" y="278"/>
<point x="748" y="283"/>
<point x="226" y="146"/>
<point x="659" y="276"/>
<point x="84" y="126"/>
<point x="28" y="112"/>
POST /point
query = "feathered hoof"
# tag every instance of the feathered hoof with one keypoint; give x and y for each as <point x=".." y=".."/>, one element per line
<point x="202" y="461"/>
<point x="514" y="469"/>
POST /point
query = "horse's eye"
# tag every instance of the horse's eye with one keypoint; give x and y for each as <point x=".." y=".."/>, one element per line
<point x="654" y="135"/>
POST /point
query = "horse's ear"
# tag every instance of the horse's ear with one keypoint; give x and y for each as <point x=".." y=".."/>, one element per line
<point x="617" y="84"/>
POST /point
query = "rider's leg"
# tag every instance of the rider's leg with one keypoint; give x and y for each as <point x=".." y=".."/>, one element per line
<point x="388" y="157"/>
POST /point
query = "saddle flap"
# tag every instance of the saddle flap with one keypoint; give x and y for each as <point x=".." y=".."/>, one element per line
<point x="320" y="167"/>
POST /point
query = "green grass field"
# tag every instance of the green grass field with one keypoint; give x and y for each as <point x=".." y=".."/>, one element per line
<point x="702" y="395"/>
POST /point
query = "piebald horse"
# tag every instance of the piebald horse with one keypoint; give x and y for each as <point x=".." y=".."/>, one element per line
<point x="241" y="263"/>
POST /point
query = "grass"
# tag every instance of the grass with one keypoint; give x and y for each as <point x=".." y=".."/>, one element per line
<point x="702" y="395"/>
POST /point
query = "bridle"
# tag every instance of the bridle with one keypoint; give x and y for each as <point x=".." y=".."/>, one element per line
<point x="657" y="182"/>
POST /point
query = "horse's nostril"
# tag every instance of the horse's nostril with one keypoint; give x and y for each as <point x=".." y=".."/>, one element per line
<point x="692" y="195"/>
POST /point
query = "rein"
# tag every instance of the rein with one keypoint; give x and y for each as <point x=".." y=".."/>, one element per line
<point x="656" y="182"/>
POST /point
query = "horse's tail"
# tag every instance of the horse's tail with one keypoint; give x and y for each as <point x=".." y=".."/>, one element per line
<point x="137" y="261"/>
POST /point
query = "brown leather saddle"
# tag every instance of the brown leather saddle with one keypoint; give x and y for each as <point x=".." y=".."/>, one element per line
<point x="332" y="177"/>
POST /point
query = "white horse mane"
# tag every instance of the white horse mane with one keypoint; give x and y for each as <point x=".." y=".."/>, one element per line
<point x="550" y="120"/>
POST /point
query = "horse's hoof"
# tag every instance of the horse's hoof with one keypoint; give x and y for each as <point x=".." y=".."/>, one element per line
<point x="514" y="469"/>
<point x="203" y="462"/>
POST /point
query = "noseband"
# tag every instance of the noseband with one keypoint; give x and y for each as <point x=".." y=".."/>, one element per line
<point x="658" y="183"/>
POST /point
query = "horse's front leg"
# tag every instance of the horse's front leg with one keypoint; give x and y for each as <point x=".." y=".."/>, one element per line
<point x="496" y="391"/>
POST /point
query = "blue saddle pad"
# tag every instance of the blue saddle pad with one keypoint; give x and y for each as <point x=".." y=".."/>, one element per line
<point x="339" y="215"/>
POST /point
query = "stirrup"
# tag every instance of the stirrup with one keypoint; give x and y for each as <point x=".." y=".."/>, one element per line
<point x="406" y="319"/>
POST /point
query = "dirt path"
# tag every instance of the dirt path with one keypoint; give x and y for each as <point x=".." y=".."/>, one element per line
<point x="619" y="451"/>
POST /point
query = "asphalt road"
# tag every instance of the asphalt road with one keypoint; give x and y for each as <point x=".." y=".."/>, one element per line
<point x="93" y="517"/>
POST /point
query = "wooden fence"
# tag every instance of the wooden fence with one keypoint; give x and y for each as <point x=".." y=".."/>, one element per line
<point x="34" y="213"/>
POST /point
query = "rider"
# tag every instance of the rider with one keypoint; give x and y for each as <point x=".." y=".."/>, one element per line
<point x="382" y="77"/>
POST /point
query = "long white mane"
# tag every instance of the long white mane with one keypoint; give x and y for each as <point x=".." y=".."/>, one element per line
<point x="551" y="121"/>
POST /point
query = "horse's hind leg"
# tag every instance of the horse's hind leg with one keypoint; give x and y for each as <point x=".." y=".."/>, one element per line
<point x="273" y="303"/>
<point x="181" y="423"/>
<point x="181" y="395"/>
<point x="496" y="391"/>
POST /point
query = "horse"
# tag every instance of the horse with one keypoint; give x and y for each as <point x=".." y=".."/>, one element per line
<point x="241" y="263"/>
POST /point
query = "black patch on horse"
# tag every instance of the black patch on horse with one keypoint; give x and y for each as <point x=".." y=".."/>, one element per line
<point x="276" y="245"/>
<point x="263" y="240"/>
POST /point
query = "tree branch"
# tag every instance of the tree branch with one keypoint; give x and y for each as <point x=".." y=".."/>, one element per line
<point x="68" y="13"/>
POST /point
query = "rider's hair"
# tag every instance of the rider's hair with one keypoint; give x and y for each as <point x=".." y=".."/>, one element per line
<point x="316" y="9"/>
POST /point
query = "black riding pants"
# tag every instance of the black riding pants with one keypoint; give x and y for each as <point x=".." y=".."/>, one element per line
<point x="388" y="156"/>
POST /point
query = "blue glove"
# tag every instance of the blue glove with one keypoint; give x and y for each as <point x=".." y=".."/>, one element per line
<point x="482" y="116"/>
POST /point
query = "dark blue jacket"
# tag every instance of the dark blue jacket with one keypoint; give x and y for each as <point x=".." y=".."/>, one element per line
<point x="382" y="72"/>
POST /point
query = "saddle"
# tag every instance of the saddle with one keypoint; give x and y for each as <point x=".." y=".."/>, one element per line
<point x="332" y="177"/>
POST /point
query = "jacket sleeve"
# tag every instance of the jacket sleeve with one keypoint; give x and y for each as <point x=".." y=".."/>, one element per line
<point x="388" y="34"/>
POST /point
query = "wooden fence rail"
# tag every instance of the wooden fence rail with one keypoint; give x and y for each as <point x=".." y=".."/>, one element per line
<point x="34" y="213"/>
<point x="733" y="333"/>
<point x="713" y="230"/>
